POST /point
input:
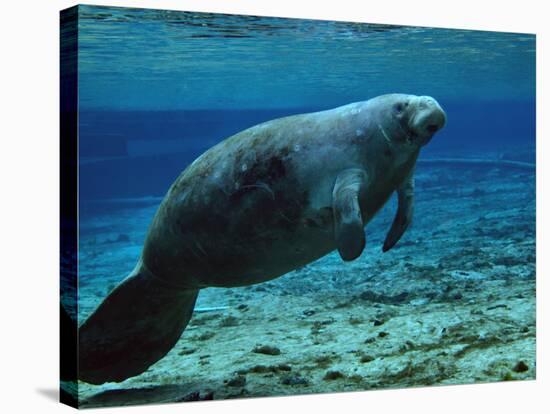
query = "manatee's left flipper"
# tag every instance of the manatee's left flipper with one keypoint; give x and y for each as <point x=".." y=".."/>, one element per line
<point x="403" y="218"/>
<point x="347" y="195"/>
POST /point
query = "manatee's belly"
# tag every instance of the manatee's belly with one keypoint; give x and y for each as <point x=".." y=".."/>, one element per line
<point x="265" y="257"/>
<point x="237" y="242"/>
<point x="233" y="243"/>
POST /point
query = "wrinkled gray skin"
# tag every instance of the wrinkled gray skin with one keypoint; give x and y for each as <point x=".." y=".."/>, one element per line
<point x="261" y="203"/>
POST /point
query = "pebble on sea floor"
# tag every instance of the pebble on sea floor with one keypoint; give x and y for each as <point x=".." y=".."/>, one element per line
<point x="187" y="351"/>
<point x="196" y="396"/>
<point x="229" y="321"/>
<point x="294" y="379"/>
<point x="267" y="350"/>
<point x="366" y="358"/>
<point x="237" y="381"/>
<point x="333" y="375"/>
<point x="521" y="366"/>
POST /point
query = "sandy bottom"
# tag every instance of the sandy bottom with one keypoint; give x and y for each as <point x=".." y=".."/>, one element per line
<point x="453" y="303"/>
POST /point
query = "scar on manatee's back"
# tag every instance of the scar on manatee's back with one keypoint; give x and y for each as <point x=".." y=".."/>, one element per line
<point x="260" y="176"/>
<point x="270" y="196"/>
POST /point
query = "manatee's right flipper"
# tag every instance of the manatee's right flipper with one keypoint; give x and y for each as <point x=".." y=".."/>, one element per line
<point x="349" y="190"/>
<point x="135" y="326"/>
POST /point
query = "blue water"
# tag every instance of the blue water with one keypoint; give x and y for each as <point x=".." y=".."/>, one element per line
<point x="155" y="83"/>
<point x="157" y="88"/>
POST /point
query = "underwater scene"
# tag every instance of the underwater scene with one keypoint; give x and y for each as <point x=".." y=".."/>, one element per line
<point x="257" y="279"/>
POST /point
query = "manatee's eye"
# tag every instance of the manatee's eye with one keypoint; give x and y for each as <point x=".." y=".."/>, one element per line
<point x="398" y="108"/>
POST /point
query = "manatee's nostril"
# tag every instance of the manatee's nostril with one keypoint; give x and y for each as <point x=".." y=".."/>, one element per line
<point x="432" y="128"/>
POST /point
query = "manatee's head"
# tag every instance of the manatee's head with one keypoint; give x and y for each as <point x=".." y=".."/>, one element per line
<point x="408" y="120"/>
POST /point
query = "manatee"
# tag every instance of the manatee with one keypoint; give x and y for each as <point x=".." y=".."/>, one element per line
<point x="260" y="204"/>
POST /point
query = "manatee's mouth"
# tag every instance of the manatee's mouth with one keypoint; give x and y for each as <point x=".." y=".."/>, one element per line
<point x="420" y="140"/>
<point x="410" y="136"/>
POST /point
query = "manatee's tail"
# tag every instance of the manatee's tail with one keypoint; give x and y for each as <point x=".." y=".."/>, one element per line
<point x="135" y="326"/>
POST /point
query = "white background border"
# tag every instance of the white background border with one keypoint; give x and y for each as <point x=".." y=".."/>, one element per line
<point x="29" y="171"/>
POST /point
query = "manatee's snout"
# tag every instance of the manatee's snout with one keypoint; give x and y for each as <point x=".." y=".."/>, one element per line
<point x="428" y="119"/>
